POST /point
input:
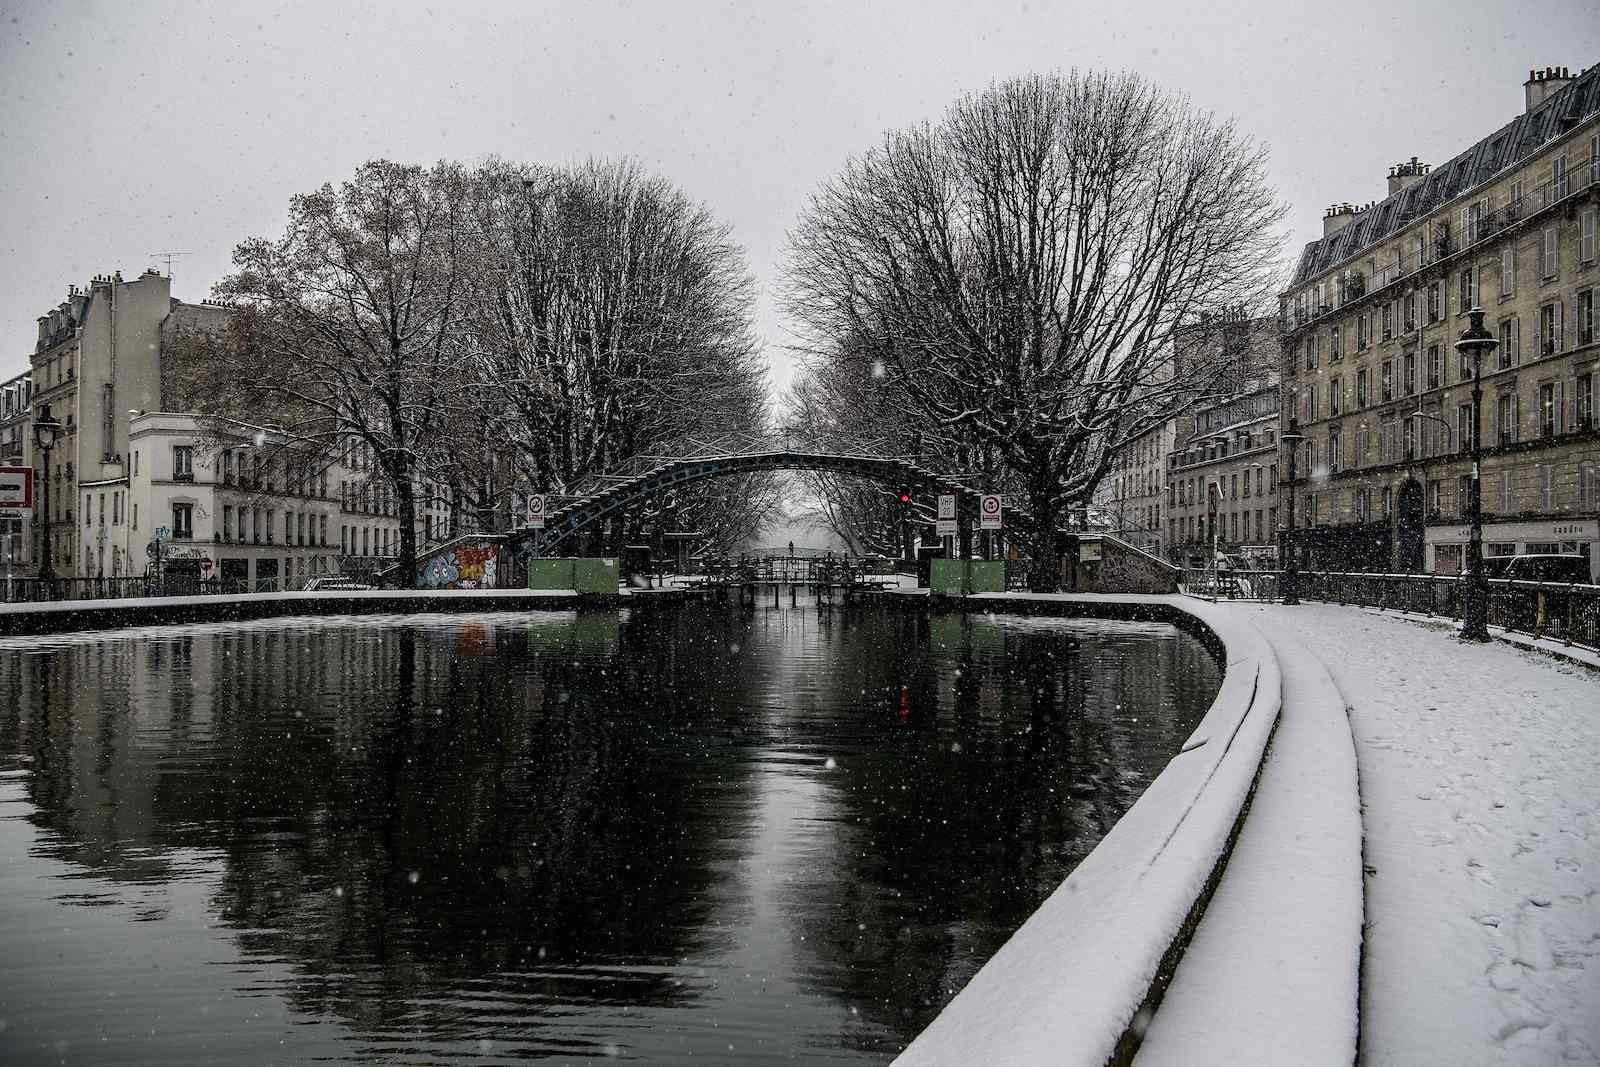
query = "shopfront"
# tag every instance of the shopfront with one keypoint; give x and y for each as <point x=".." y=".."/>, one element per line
<point x="1447" y="545"/>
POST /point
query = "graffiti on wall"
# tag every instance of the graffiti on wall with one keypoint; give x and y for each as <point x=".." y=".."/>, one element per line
<point x="461" y="567"/>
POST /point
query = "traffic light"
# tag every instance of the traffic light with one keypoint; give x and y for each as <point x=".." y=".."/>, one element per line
<point x="905" y="496"/>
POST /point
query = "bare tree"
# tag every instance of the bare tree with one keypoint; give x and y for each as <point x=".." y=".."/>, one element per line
<point x="346" y="329"/>
<point x="1020" y="270"/>
<point x="612" y="317"/>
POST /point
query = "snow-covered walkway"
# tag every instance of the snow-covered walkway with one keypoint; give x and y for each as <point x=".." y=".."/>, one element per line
<point x="1480" y="779"/>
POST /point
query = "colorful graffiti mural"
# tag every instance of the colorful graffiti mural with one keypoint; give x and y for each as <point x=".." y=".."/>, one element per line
<point x="461" y="567"/>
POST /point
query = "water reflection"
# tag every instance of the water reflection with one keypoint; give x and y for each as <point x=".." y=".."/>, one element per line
<point x="712" y="834"/>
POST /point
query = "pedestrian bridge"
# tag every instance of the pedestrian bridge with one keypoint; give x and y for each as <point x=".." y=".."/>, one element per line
<point x="636" y="481"/>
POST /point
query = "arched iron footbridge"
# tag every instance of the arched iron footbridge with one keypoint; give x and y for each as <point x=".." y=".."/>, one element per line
<point x="699" y="459"/>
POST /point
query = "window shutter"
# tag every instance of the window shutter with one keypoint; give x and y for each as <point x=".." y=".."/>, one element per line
<point x="1586" y="235"/>
<point x="1560" y="336"/>
<point x="1516" y="339"/>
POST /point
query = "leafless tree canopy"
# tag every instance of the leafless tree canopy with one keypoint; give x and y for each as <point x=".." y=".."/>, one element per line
<point x="1020" y="269"/>
<point x="492" y="329"/>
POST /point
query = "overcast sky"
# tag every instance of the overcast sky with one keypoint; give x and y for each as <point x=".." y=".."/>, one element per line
<point x="143" y="126"/>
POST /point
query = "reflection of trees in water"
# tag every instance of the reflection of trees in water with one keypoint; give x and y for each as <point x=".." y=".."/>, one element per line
<point x="1002" y="763"/>
<point x="470" y="806"/>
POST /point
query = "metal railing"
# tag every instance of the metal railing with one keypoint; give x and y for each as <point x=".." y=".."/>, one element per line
<point x="1558" y="611"/>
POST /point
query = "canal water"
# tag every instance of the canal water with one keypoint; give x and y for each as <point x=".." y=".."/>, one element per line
<point x="707" y="835"/>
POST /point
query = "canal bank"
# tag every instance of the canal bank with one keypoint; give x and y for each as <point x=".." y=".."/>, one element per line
<point x="1082" y="979"/>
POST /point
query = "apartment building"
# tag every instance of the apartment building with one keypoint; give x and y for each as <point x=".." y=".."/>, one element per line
<point x="16" y="450"/>
<point x="1221" y="476"/>
<point x="1130" y="501"/>
<point x="1371" y="371"/>
<point x="97" y="358"/>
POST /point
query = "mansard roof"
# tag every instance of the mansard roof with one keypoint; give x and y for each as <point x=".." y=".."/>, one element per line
<point x="1510" y="145"/>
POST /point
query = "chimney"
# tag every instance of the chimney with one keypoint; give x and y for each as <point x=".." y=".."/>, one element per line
<point x="1404" y="175"/>
<point x="1336" y="218"/>
<point x="1543" y="84"/>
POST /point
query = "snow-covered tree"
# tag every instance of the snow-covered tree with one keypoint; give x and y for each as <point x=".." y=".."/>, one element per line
<point x="1019" y="270"/>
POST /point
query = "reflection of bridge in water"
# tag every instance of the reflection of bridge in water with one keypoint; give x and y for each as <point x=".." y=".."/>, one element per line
<point x="825" y="577"/>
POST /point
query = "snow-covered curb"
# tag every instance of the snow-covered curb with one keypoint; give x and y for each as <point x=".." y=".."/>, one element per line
<point x="1069" y="984"/>
<point x="77" y="615"/>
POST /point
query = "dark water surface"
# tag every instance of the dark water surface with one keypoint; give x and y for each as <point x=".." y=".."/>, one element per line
<point x="708" y="835"/>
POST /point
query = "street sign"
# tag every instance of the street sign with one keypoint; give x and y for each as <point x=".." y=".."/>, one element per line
<point x="536" y="511"/>
<point x="947" y="506"/>
<point x="16" y="488"/>
<point x="946" y="528"/>
<point x="989" y="512"/>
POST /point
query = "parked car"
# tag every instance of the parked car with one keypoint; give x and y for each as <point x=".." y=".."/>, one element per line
<point x="1551" y="567"/>
<point x="1550" y="611"/>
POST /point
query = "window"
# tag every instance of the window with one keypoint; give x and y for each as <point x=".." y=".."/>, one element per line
<point x="183" y="522"/>
<point x="1466" y="290"/>
<point x="1388" y="321"/>
<point x="1335" y="450"/>
<point x="1361" y="389"/>
<point x="1336" y="394"/>
<point x="1388" y="380"/>
<point x="1272" y="478"/>
<point x="1586" y="238"/>
<point x="1336" y="344"/>
<point x="1464" y="428"/>
<point x="1547" y="252"/>
<point x="1550" y="329"/>
<point x="1233" y="486"/>
<point x="1507" y="491"/>
<point x="1435" y="367"/>
<point x="1506" y="354"/>
<point x="136" y="463"/>
<point x="183" y="463"/>
<point x="1508" y="269"/>
<point x="322" y="530"/>
<point x="1506" y="418"/>
<point x="1558" y="177"/>
<point x="1434" y="496"/>
<point x="135" y="516"/>
<point x="1411" y="307"/>
<point x="1388" y="501"/>
<point x="227" y="466"/>
<point x="1311" y="402"/>
<point x="1363" y="330"/>
<point x="1464" y="494"/>
<point x="271" y="521"/>
<point x="1586" y="317"/>
<point x="1547" y="409"/>
<point x="1311" y="353"/>
<point x="1408" y="376"/>
<point x="1583" y="401"/>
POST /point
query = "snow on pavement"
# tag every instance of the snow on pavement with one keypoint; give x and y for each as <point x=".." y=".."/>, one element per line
<point x="1478" y="771"/>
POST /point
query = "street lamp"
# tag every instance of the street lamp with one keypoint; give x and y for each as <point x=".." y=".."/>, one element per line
<point x="45" y="432"/>
<point x="1477" y="343"/>
<point x="1291" y="575"/>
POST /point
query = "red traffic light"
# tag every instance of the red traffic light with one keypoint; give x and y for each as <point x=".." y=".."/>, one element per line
<point x="905" y="498"/>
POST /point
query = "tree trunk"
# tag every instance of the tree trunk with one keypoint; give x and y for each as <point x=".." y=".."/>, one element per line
<point x="406" y="493"/>
<point x="1044" y="563"/>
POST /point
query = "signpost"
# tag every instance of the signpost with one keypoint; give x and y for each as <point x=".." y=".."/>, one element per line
<point x="946" y="524"/>
<point x="536" y="513"/>
<point x="990" y="512"/>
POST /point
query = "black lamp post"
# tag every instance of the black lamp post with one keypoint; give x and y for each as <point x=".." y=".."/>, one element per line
<point x="1291" y="575"/>
<point x="1477" y="343"/>
<point x="45" y="430"/>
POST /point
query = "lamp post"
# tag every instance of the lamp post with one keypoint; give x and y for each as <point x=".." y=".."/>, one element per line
<point x="1477" y="343"/>
<point x="1291" y="575"/>
<point x="45" y="429"/>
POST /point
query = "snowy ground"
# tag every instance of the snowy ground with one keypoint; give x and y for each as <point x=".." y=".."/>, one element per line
<point x="1480" y="778"/>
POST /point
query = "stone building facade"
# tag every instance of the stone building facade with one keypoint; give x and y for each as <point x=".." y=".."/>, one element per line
<point x="1130" y="502"/>
<point x="1229" y="442"/>
<point x="1372" y="376"/>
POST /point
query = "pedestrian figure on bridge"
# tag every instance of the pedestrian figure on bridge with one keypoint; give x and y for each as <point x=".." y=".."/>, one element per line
<point x="791" y="548"/>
